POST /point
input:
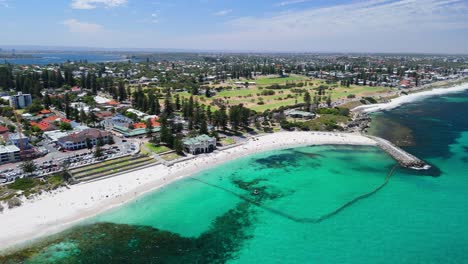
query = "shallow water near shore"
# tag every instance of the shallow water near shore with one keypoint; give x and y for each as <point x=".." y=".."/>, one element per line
<point x="216" y="217"/>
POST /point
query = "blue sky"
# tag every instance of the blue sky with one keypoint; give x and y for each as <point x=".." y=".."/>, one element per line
<point x="427" y="26"/>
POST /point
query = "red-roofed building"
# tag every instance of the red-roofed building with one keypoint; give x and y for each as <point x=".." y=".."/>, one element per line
<point x="44" y="112"/>
<point x="49" y="123"/>
<point x="3" y="130"/>
<point x="113" y="103"/>
<point x="104" y="115"/>
<point x="139" y="125"/>
<point x="76" y="89"/>
<point x="154" y="123"/>
<point x="43" y="126"/>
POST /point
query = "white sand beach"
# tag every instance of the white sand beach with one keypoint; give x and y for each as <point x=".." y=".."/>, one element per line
<point x="394" y="103"/>
<point x="53" y="212"/>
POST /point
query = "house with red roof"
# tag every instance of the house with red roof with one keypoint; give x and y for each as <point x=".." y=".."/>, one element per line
<point x="154" y="124"/>
<point x="76" y="89"/>
<point x="4" y="130"/>
<point x="50" y="123"/>
<point x="44" y="112"/>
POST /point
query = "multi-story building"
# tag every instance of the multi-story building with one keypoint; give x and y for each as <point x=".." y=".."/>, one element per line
<point x="79" y="140"/>
<point x="9" y="154"/>
<point x="200" y="144"/>
<point x="19" y="140"/>
<point x="20" y="100"/>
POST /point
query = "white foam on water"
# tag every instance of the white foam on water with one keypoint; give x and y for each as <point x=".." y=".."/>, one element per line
<point x="394" y="103"/>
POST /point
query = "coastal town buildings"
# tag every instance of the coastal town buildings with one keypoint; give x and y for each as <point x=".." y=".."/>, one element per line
<point x="78" y="140"/>
<point x="199" y="144"/>
<point x="9" y="153"/>
<point x="19" y="140"/>
<point x="20" y="100"/>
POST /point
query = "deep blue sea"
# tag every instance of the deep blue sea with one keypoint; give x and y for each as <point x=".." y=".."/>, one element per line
<point x="57" y="58"/>
<point x="215" y="217"/>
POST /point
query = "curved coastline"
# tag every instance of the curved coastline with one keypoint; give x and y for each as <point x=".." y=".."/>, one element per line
<point x="53" y="212"/>
<point x="394" y="103"/>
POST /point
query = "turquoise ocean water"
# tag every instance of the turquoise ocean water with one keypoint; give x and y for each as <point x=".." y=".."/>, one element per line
<point x="264" y="208"/>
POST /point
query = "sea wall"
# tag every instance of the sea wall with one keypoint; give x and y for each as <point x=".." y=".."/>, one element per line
<point x="404" y="158"/>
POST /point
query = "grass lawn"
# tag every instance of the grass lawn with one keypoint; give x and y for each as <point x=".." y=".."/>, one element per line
<point x="227" y="141"/>
<point x="359" y="91"/>
<point x="284" y="97"/>
<point x="325" y="122"/>
<point x="279" y="80"/>
<point x="156" y="149"/>
<point x="170" y="156"/>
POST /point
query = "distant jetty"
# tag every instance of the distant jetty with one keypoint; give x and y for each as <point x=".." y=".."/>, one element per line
<point x="404" y="158"/>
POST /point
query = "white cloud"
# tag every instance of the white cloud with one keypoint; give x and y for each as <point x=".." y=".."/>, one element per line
<point x="223" y="12"/>
<point x="4" y="3"/>
<point x="368" y="25"/>
<point x="91" y="4"/>
<point x="291" y="2"/>
<point x="76" y="26"/>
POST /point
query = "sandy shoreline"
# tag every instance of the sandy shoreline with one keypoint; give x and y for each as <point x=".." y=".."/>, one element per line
<point x="53" y="212"/>
<point x="394" y="103"/>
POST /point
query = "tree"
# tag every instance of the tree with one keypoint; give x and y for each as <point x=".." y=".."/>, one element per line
<point x="178" y="145"/>
<point x="47" y="102"/>
<point x="28" y="166"/>
<point x="122" y="92"/>
<point x="329" y="101"/>
<point x="64" y="126"/>
<point x="203" y="125"/>
<point x="98" y="152"/>
<point x="111" y="140"/>
<point x="220" y="119"/>
<point x="239" y="115"/>
<point x="307" y="100"/>
<point x="166" y="134"/>
<point x="89" y="144"/>
<point x="67" y="106"/>
<point x="207" y="92"/>
<point x="83" y="117"/>
<point x="149" y="128"/>
<point x="168" y="109"/>
<point x="177" y="102"/>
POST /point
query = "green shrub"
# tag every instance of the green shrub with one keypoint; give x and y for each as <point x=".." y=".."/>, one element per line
<point x="24" y="184"/>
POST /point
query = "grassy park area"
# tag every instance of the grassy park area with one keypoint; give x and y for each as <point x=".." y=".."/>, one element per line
<point x="261" y="96"/>
<point x="156" y="149"/>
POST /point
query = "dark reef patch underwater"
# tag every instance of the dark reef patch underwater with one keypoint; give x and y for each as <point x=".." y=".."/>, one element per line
<point x="120" y="243"/>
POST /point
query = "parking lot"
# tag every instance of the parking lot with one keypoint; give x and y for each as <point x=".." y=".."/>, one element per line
<point x="56" y="161"/>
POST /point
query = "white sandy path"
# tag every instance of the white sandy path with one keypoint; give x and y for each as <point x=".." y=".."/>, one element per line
<point x="405" y="99"/>
<point x="54" y="212"/>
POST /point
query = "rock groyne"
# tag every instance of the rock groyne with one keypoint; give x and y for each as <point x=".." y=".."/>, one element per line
<point x="404" y="158"/>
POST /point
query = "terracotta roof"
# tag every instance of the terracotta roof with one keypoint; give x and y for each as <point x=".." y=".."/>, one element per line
<point x="3" y="129"/>
<point x="112" y="102"/>
<point x="50" y="119"/>
<point x="102" y="115"/>
<point x="65" y="120"/>
<point x="44" y="112"/>
<point x="139" y="125"/>
<point x="154" y="123"/>
<point x="44" y="126"/>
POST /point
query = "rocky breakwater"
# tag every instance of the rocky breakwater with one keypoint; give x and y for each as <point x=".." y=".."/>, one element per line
<point x="404" y="158"/>
<point x="360" y="122"/>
